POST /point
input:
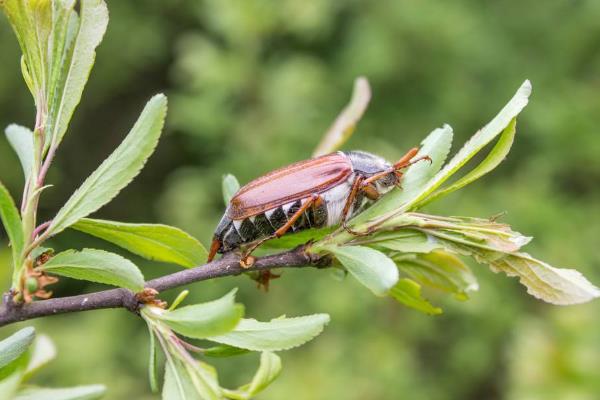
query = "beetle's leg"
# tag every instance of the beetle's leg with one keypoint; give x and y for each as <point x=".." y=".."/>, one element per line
<point x="313" y="199"/>
<point x="356" y="186"/>
<point x="214" y="247"/>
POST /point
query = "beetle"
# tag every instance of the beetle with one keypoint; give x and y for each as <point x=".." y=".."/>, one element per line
<point x="319" y="192"/>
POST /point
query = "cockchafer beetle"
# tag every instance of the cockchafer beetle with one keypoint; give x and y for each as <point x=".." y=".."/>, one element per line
<point x="319" y="192"/>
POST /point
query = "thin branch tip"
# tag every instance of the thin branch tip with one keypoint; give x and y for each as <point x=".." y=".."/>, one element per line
<point x="123" y="298"/>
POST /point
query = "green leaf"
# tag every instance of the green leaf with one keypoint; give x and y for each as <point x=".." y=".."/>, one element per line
<point x="21" y="140"/>
<point x="370" y="267"/>
<point x="90" y="392"/>
<point x="224" y="350"/>
<point x="493" y="159"/>
<point x="345" y="124"/>
<point x="192" y="380"/>
<point x="178" y="384"/>
<point x="15" y="345"/>
<point x="277" y="334"/>
<point x="117" y="170"/>
<point x="96" y="266"/>
<point x="554" y="285"/>
<point x="437" y="146"/>
<point x="441" y="270"/>
<point x="42" y="352"/>
<point x="269" y="369"/>
<point x="77" y="63"/>
<point x="408" y="292"/>
<point x="230" y="186"/>
<point x="206" y="319"/>
<point x="405" y="240"/>
<point x="152" y="241"/>
<point x="12" y="224"/>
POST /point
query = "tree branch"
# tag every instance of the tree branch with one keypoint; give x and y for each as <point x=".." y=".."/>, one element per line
<point x="123" y="298"/>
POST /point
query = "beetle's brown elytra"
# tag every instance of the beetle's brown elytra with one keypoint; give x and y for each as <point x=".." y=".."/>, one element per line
<point x="319" y="192"/>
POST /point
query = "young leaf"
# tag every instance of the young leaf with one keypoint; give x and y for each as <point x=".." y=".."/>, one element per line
<point x="152" y="241"/>
<point x="77" y="64"/>
<point x="269" y="369"/>
<point x="91" y="392"/>
<point x="441" y="270"/>
<point x="152" y="362"/>
<point x="437" y="146"/>
<point x="495" y="157"/>
<point x="21" y="140"/>
<point x="230" y="187"/>
<point x="32" y="23"/>
<point x="370" y="267"/>
<point x="117" y="170"/>
<point x="468" y="151"/>
<point x="277" y="334"/>
<point x="554" y="285"/>
<point x="15" y="345"/>
<point x="96" y="266"/>
<point x="12" y="224"/>
<point x="345" y="123"/>
<point x="42" y="352"/>
<point x="408" y="292"/>
<point x="192" y="380"/>
<point x="207" y="319"/>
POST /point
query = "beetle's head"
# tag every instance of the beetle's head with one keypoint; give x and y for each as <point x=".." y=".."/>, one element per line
<point x="368" y="164"/>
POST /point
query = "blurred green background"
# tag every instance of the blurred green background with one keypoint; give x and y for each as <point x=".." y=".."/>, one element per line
<point x="252" y="85"/>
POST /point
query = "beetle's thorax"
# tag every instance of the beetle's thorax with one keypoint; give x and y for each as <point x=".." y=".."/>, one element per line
<point x="367" y="165"/>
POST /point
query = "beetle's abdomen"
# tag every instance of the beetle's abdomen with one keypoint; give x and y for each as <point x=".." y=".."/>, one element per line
<point x="233" y="233"/>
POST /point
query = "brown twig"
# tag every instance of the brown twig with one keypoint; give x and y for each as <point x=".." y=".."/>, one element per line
<point x="123" y="298"/>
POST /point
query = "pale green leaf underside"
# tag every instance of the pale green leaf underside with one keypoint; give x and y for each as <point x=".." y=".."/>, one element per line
<point x="152" y="241"/>
<point x="90" y="392"/>
<point x="21" y="140"/>
<point x="370" y="267"/>
<point x="117" y="170"/>
<point x="97" y="266"/>
<point x="277" y="334"/>
<point x="15" y="345"/>
<point x="554" y="285"/>
<point x="206" y="319"/>
<point x="12" y="224"/>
